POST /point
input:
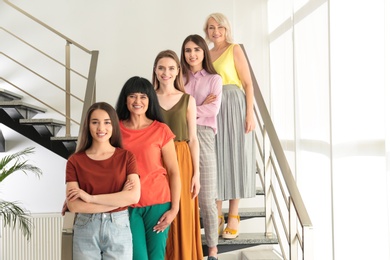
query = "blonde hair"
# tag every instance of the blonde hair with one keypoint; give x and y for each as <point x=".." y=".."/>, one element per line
<point x="223" y="21"/>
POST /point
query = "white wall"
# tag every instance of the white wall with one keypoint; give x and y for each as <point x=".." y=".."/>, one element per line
<point x="38" y="195"/>
<point x="129" y="34"/>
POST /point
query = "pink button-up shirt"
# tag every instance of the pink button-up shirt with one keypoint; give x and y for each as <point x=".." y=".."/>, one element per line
<point x="200" y="85"/>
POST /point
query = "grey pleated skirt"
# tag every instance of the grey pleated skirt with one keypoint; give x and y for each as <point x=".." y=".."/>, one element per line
<point x="235" y="149"/>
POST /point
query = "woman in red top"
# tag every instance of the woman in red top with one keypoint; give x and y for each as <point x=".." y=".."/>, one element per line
<point x="101" y="182"/>
<point x="151" y="141"/>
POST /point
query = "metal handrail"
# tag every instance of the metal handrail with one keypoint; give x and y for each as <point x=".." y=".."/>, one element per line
<point x="40" y="76"/>
<point x="90" y="93"/>
<point x="40" y="101"/>
<point x="48" y="27"/>
<point x="41" y="52"/>
<point x="274" y="161"/>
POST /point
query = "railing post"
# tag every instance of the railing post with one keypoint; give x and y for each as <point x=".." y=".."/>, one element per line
<point x="90" y="92"/>
<point x="67" y="89"/>
<point x="293" y="237"/>
<point x="267" y="184"/>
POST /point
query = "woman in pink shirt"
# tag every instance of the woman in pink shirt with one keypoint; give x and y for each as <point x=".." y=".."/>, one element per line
<point x="205" y="85"/>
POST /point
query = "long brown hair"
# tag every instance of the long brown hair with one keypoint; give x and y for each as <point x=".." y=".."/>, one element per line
<point x="178" y="84"/>
<point x="207" y="64"/>
<point x="85" y="139"/>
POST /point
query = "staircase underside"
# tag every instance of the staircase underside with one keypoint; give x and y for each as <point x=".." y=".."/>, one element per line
<point x="37" y="133"/>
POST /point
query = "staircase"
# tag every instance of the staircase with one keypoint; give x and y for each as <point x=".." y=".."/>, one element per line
<point x="19" y="116"/>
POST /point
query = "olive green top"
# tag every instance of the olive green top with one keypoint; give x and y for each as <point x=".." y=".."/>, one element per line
<point x="176" y="118"/>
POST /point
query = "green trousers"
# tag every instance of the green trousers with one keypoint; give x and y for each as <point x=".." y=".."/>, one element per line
<point x="147" y="244"/>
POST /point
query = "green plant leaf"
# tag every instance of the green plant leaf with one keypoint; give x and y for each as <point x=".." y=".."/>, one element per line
<point x="19" y="164"/>
<point x="11" y="214"/>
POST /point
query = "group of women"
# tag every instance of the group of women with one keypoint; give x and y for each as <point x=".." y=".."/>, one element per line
<point x="142" y="165"/>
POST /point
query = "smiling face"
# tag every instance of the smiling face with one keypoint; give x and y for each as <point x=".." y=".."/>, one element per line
<point x="215" y="32"/>
<point x="166" y="71"/>
<point x="194" y="55"/>
<point x="100" y="126"/>
<point x="137" y="103"/>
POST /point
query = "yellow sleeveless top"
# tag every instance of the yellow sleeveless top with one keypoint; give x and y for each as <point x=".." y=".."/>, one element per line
<point x="225" y="67"/>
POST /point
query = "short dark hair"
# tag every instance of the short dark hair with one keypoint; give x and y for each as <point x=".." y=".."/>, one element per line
<point x="85" y="138"/>
<point x="133" y="85"/>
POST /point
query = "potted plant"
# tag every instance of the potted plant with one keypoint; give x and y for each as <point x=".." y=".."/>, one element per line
<point x="10" y="212"/>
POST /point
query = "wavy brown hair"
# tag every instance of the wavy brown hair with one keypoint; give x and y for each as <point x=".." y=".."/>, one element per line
<point x="178" y="84"/>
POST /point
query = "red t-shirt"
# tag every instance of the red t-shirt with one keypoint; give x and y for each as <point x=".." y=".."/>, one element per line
<point x="104" y="176"/>
<point x="146" y="145"/>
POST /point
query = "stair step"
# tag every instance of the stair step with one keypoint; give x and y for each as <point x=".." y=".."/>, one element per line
<point x="69" y="142"/>
<point x="64" y="138"/>
<point x="249" y="239"/>
<point x="259" y="191"/>
<point x="44" y="126"/>
<point x="42" y="121"/>
<point x="261" y="254"/>
<point x="247" y="212"/>
<point x="6" y="95"/>
<point x="18" y="109"/>
<point x="244" y="240"/>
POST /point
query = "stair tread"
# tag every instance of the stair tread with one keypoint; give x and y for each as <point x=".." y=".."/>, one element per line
<point x="64" y="138"/>
<point x="247" y="212"/>
<point x="8" y="94"/>
<point x="259" y="191"/>
<point x="42" y="121"/>
<point x="261" y="254"/>
<point x="246" y="239"/>
<point x="19" y="103"/>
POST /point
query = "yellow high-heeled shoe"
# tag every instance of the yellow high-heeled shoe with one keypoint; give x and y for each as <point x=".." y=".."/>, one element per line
<point x="221" y="225"/>
<point x="229" y="233"/>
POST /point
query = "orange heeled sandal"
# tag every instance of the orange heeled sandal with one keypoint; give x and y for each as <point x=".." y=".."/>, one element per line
<point x="221" y="225"/>
<point x="230" y="233"/>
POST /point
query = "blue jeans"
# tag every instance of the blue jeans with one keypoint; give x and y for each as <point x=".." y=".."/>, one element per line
<point x="102" y="236"/>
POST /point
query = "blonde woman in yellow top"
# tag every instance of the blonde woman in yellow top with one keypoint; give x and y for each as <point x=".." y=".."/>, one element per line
<point x="235" y="138"/>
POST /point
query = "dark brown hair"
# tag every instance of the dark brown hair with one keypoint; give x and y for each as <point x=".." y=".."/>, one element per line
<point x="207" y="64"/>
<point x="85" y="139"/>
